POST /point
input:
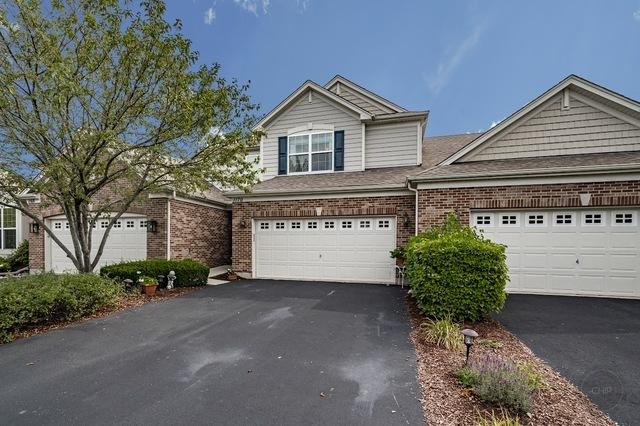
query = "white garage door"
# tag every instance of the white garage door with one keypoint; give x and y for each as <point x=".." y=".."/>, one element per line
<point x="332" y="249"/>
<point x="575" y="252"/>
<point x="127" y="241"/>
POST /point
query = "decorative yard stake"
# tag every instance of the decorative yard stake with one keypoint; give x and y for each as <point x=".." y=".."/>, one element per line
<point x="469" y="336"/>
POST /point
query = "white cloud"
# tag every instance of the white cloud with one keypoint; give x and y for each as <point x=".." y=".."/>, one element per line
<point x="209" y="16"/>
<point x="456" y="56"/>
<point x="636" y="15"/>
<point x="252" y="5"/>
<point x="303" y="5"/>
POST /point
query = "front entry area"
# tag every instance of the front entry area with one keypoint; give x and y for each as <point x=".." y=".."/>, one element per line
<point x="590" y="252"/>
<point x="127" y="241"/>
<point x="351" y="249"/>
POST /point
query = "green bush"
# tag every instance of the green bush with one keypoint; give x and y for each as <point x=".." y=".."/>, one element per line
<point x="454" y="272"/>
<point x="189" y="272"/>
<point x="443" y="333"/>
<point x="20" y="257"/>
<point x="47" y="298"/>
<point x="500" y="381"/>
<point x="467" y="377"/>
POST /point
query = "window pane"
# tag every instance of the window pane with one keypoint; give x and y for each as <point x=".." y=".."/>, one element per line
<point x="321" y="142"/>
<point x="321" y="161"/>
<point x="298" y="144"/>
<point x="9" y="238"/>
<point x="9" y="218"/>
<point x="298" y="163"/>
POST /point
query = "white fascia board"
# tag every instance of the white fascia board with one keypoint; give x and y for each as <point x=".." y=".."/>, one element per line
<point x="571" y="80"/>
<point x="320" y="195"/>
<point x="364" y="92"/>
<point x="310" y="85"/>
<point x="530" y="180"/>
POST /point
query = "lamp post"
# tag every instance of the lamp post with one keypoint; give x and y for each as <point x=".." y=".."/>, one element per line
<point x="469" y="336"/>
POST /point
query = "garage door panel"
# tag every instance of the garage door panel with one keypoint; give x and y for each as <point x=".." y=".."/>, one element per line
<point x="329" y="252"/>
<point x="542" y="256"/>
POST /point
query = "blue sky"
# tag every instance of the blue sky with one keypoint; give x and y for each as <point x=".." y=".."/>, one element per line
<point x="471" y="63"/>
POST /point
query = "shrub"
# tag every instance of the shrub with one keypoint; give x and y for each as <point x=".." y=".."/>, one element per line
<point x="444" y="333"/>
<point x="454" y="271"/>
<point x="20" y="257"/>
<point x="500" y="381"/>
<point x="535" y="379"/>
<point x="502" y="419"/>
<point x="467" y="377"/>
<point x="188" y="272"/>
<point x="47" y="298"/>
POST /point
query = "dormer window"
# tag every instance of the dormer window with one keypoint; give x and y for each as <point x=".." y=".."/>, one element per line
<point x="311" y="153"/>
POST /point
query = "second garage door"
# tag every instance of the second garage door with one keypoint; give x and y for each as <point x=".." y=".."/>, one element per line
<point x="572" y="252"/>
<point x="331" y="249"/>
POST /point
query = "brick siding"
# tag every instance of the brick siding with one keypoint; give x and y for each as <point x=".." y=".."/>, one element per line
<point x="200" y="232"/>
<point x="401" y="206"/>
<point x="434" y="204"/>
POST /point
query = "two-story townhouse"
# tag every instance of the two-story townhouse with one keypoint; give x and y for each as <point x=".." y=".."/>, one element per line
<point x="349" y="176"/>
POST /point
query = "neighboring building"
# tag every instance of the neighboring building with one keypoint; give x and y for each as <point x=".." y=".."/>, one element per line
<point x="13" y="230"/>
<point x="164" y="226"/>
<point x="348" y="177"/>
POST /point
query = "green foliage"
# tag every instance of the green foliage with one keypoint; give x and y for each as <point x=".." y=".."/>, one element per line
<point x="443" y="333"/>
<point x="189" y="272"/>
<point x="147" y="281"/>
<point x="455" y="272"/>
<point x="106" y="93"/>
<point x="43" y="299"/>
<point x="467" y="377"/>
<point x="500" y="381"/>
<point x="20" y="257"/>
<point x="397" y="252"/>
<point x="490" y="343"/>
<point x="535" y="379"/>
<point x="502" y="419"/>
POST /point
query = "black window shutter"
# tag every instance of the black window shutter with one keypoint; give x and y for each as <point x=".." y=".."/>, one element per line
<point x="282" y="155"/>
<point x="338" y="150"/>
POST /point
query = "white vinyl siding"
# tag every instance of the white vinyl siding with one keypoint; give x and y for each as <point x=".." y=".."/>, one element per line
<point x="550" y="130"/>
<point x="318" y="111"/>
<point x="393" y="144"/>
<point x="366" y="104"/>
<point x="252" y="156"/>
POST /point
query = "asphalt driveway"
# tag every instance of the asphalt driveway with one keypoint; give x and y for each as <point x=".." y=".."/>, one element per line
<point x="251" y="352"/>
<point x="593" y="342"/>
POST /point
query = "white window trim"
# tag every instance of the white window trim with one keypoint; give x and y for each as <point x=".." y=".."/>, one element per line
<point x="317" y="222"/>
<point x="309" y="152"/>
<point x="284" y="225"/>
<point x="491" y="216"/>
<point x="634" y="218"/>
<point x="350" y="221"/>
<point x="298" y="228"/>
<point x="583" y="218"/>
<point x="371" y="224"/>
<point x="545" y="219"/>
<point x="383" y="227"/>
<point x="335" y="224"/>
<point x="266" y="227"/>
<point x="512" y="225"/>
<point x="14" y="228"/>
<point x="574" y="217"/>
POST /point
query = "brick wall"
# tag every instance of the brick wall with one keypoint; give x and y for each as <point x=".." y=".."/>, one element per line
<point x="434" y="204"/>
<point x="200" y="232"/>
<point x="243" y="212"/>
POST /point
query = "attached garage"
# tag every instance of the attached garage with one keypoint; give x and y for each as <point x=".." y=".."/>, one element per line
<point x="354" y="249"/>
<point x="593" y="252"/>
<point x="127" y="241"/>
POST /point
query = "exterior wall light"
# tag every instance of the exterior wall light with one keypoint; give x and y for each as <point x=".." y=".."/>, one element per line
<point x="34" y="227"/>
<point x="469" y="337"/>
<point x="152" y="226"/>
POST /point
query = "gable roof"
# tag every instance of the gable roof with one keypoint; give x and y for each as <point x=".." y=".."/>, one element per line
<point x="575" y="82"/>
<point x="302" y="89"/>
<point x="364" y="92"/>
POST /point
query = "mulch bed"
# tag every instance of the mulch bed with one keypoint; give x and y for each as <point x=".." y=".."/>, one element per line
<point x="127" y="300"/>
<point x="445" y="402"/>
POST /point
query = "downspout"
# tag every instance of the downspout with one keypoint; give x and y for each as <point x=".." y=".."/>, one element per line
<point x="415" y="223"/>
<point x="173" y="196"/>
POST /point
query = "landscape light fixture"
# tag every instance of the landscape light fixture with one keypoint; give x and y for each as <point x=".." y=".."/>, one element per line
<point x="469" y="336"/>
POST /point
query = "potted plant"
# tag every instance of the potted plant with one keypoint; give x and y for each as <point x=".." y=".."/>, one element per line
<point x="398" y="255"/>
<point x="148" y="285"/>
<point x="231" y="275"/>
